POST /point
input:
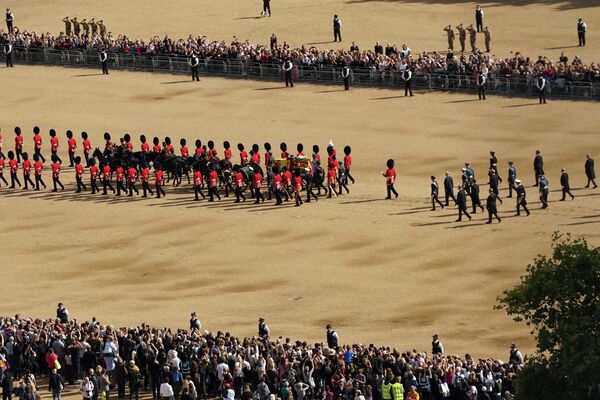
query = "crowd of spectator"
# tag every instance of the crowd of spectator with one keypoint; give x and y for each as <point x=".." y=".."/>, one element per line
<point x="187" y="364"/>
<point x="380" y="58"/>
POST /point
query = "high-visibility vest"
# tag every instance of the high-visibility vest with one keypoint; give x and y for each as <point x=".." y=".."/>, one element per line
<point x="385" y="391"/>
<point x="398" y="390"/>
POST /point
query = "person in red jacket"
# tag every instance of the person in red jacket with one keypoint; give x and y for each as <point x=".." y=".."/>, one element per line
<point x="120" y="179"/>
<point x="27" y="171"/>
<point x="14" y="168"/>
<point x="331" y="180"/>
<point x="213" y="185"/>
<point x="287" y="183"/>
<point x="72" y="143"/>
<point x="128" y="145"/>
<point x="87" y="147"/>
<point x="243" y="154"/>
<point x="348" y="162"/>
<point x="2" y="169"/>
<point x="156" y="149"/>
<point x="38" y="166"/>
<point x="276" y="185"/>
<point x="56" y="173"/>
<point x="146" y="180"/>
<point x="297" y="187"/>
<point x="284" y="152"/>
<point x="184" y="149"/>
<point x="108" y="144"/>
<point x="168" y="147"/>
<point x="390" y="179"/>
<point x="255" y="154"/>
<point x="106" y="173"/>
<point x="158" y="180"/>
<point x="238" y="183"/>
<point x="94" y="170"/>
<point x="18" y="144"/>
<point x="131" y="178"/>
<point x="199" y="150"/>
<point x="198" y="183"/>
<point x="145" y="146"/>
<point x="37" y="143"/>
<point x="212" y="152"/>
<point x="54" y="145"/>
<point x="79" y="175"/>
<point x="258" y="180"/>
<point x="227" y="152"/>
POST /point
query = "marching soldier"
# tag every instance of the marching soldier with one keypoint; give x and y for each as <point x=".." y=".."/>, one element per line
<point x="481" y="81"/>
<point x="564" y="183"/>
<point x="194" y="63"/>
<point x="8" y="51"/>
<point x="491" y="207"/>
<point x="435" y="190"/>
<point x="472" y="37"/>
<point x="287" y="69"/>
<point x="581" y="29"/>
<point x="479" y="17"/>
<point x="10" y="19"/>
<point x="495" y="183"/>
<point x="590" y="173"/>
<point x="407" y="78"/>
<point x="475" y="199"/>
<point x="538" y="166"/>
<point x="544" y="191"/>
<point x="462" y="36"/>
<point x="94" y="26"/>
<point x="540" y="83"/>
<point x="76" y="27"/>
<point x="521" y="197"/>
<point x="449" y="188"/>
<point x="104" y="61"/>
<point x="493" y="161"/>
<point x="67" y="22"/>
<point x="461" y="201"/>
<point x="512" y="176"/>
<point x="337" y="28"/>
<point x="450" y="33"/>
<point x="346" y="77"/>
<point x="488" y="38"/>
<point x="102" y="28"/>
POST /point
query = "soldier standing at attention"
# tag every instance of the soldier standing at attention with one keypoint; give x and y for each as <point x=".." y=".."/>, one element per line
<point x="450" y="33"/>
<point x="581" y="30"/>
<point x="462" y="36"/>
<point x="564" y="183"/>
<point x="104" y="61"/>
<point x="435" y="191"/>
<point x="521" y="197"/>
<point x="488" y="38"/>
<point x="540" y="83"/>
<point x="461" y="201"/>
<point x="194" y="63"/>
<point x="512" y="176"/>
<point x="346" y="77"/>
<point x="479" y="17"/>
<point x="10" y="19"/>
<point x="287" y="69"/>
<point x="337" y="28"/>
<point x="491" y="207"/>
<point x="76" y="27"/>
<point x="538" y="166"/>
<point x="472" y="38"/>
<point x="449" y="188"/>
<point x="590" y="173"/>
<point x="407" y="78"/>
<point x="67" y="22"/>
<point x="544" y="191"/>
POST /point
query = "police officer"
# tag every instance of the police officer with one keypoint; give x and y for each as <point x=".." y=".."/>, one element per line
<point x="10" y="19"/>
<point x="346" y="77"/>
<point x="564" y="183"/>
<point x="490" y="205"/>
<point x="407" y="78"/>
<point x="581" y="29"/>
<point x="449" y="188"/>
<point x="521" y="197"/>
<point x="590" y="173"/>
<point x="332" y="337"/>
<point x="538" y="166"/>
<point x="479" y="18"/>
<point x="194" y="63"/>
<point x="488" y="38"/>
<point x="263" y="329"/>
<point x="462" y="36"/>
<point x="337" y="28"/>
<point x="512" y="176"/>
<point x="475" y="199"/>
<point x="472" y="37"/>
<point x="544" y="191"/>
<point x="8" y="52"/>
<point x="540" y="83"/>
<point x="435" y="190"/>
<point x="461" y="201"/>
<point x="450" y="33"/>
<point x="104" y="61"/>
<point x="481" y="81"/>
<point x="287" y="69"/>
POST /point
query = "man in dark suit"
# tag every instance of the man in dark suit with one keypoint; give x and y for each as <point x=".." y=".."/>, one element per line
<point x="435" y="191"/>
<point x="590" y="173"/>
<point x="512" y="176"/>
<point x="492" y="210"/>
<point x="461" y="201"/>
<point x="266" y="8"/>
<point x="475" y="199"/>
<point x="449" y="188"/>
<point x="378" y="48"/>
<point x="346" y="77"/>
<point x="538" y="166"/>
<point x="287" y="69"/>
<point x="337" y="28"/>
<point x="564" y="182"/>
<point x="407" y="78"/>
<point x="521" y="197"/>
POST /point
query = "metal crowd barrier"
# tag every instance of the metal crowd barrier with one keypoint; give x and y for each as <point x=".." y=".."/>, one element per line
<point x="327" y="74"/>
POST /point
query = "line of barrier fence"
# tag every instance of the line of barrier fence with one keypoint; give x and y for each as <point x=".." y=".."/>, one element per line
<point x="444" y="81"/>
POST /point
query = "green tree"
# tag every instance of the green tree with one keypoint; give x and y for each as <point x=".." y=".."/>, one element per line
<point x="559" y="298"/>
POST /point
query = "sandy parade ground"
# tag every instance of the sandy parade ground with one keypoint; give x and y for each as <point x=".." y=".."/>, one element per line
<point x="381" y="271"/>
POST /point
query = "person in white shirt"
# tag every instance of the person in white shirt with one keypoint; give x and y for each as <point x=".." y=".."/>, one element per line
<point x="87" y="388"/>
<point x="110" y="354"/>
<point x="166" y="390"/>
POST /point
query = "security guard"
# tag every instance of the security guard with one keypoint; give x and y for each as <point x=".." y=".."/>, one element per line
<point x="521" y="197"/>
<point x="346" y="77"/>
<point x="462" y="36"/>
<point x="397" y="390"/>
<point x="407" y="78"/>
<point x="386" y="385"/>
<point x="450" y="33"/>
<point x="540" y="83"/>
<point x="287" y="69"/>
<point x="8" y="51"/>
<point x="104" y="61"/>
<point x="491" y="207"/>
<point x="564" y="183"/>
<point x="194" y="63"/>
